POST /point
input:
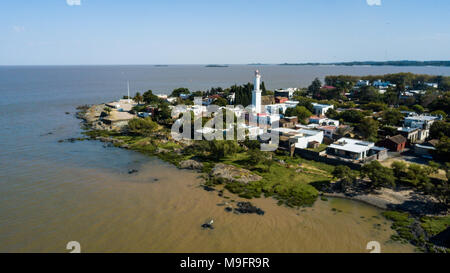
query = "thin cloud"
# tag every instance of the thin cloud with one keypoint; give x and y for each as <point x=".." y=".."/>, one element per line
<point x="18" y="29"/>
<point x="373" y="2"/>
<point x="73" y="2"/>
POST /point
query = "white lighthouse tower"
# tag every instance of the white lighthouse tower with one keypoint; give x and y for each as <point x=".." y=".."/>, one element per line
<point x="256" y="94"/>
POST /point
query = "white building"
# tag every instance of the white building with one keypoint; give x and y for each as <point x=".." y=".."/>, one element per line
<point x="420" y="121"/>
<point x="321" y="109"/>
<point x="286" y="93"/>
<point x="300" y="137"/>
<point x="323" y="121"/>
<point x="350" y="148"/>
<point x="307" y="136"/>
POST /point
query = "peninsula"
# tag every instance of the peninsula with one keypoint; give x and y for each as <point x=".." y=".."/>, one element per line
<point x="354" y="137"/>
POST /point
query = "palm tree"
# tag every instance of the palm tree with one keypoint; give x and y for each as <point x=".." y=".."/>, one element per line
<point x="138" y="97"/>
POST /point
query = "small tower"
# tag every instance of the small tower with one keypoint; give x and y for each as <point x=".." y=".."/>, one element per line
<point x="256" y="94"/>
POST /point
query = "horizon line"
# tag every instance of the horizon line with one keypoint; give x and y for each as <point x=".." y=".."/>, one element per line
<point x="256" y="63"/>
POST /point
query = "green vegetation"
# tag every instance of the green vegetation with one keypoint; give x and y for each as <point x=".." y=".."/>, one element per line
<point x="402" y="223"/>
<point x="417" y="231"/>
<point x="368" y="129"/>
<point x="345" y="175"/>
<point x="378" y="174"/>
<point x="177" y="92"/>
<point x="435" y="225"/>
<point x="143" y="127"/>
<point x="301" y="112"/>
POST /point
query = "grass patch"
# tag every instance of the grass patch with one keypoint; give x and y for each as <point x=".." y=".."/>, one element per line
<point x="402" y="222"/>
<point x="435" y="225"/>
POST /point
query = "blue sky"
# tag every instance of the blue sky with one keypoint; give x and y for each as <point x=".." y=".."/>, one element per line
<point x="41" y="32"/>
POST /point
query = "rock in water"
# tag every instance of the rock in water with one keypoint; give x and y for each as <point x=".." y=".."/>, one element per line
<point x="132" y="171"/>
<point x="247" y="207"/>
<point x="208" y="224"/>
<point x="208" y="188"/>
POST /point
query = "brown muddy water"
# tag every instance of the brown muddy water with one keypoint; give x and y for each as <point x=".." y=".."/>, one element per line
<point x="52" y="193"/>
<point x="161" y="209"/>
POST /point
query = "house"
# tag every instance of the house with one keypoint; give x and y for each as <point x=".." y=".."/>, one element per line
<point x="305" y="137"/>
<point x="323" y="121"/>
<point x="286" y="93"/>
<point x="321" y="109"/>
<point x="420" y="121"/>
<point x="432" y="84"/>
<point x="362" y="83"/>
<point x="328" y="130"/>
<point x="301" y="138"/>
<point x="395" y="143"/>
<point x="411" y="134"/>
<point x="382" y="85"/>
<point x="353" y="149"/>
<point x="288" y="122"/>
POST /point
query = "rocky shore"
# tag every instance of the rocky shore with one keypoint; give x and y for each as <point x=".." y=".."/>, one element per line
<point x="234" y="178"/>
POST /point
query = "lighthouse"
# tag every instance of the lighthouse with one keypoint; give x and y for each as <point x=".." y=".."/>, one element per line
<point x="256" y="94"/>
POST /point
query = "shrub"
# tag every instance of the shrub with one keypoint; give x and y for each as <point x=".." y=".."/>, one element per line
<point x="142" y="126"/>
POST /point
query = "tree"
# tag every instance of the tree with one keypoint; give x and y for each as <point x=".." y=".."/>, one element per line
<point x="417" y="175"/>
<point x="138" y="97"/>
<point x="345" y="175"/>
<point x="141" y="126"/>
<point x="439" y="129"/>
<point x="390" y="97"/>
<point x="392" y="116"/>
<point x="369" y="94"/>
<point x="375" y="106"/>
<point x="221" y="102"/>
<point x="222" y="148"/>
<point x="443" y="149"/>
<point x="441" y="103"/>
<point x="418" y="108"/>
<point x="352" y="116"/>
<point x="378" y="174"/>
<point x="439" y="113"/>
<point x="314" y="88"/>
<point x="332" y="114"/>
<point x="434" y="167"/>
<point x="107" y="110"/>
<point x="399" y="168"/>
<point x="149" y="97"/>
<point x="368" y="128"/>
<point x="300" y="111"/>
<point x="164" y="113"/>
<point x="177" y="92"/>
<point x="442" y="192"/>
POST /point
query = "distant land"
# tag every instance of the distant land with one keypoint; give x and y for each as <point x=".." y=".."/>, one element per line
<point x="216" y="65"/>
<point x="374" y="63"/>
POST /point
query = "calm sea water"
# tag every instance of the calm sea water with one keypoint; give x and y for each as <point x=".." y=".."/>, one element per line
<point x="52" y="193"/>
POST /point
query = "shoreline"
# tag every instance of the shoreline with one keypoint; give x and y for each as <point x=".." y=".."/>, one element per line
<point x="247" y="182"/>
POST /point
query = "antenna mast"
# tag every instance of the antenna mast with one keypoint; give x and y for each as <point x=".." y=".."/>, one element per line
<point x="128" y="85"/>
